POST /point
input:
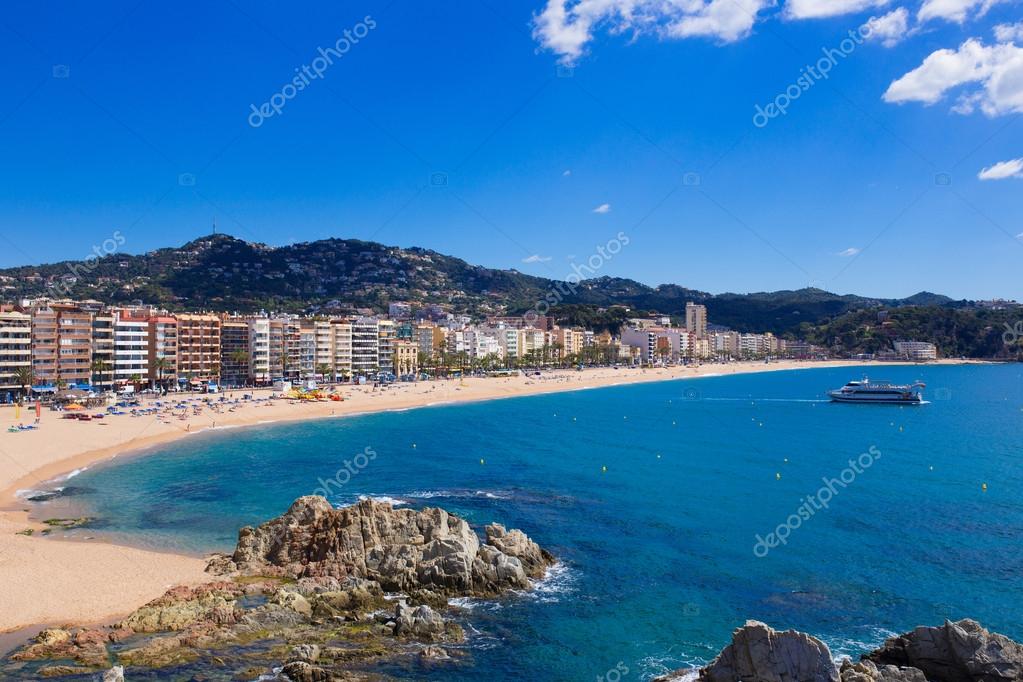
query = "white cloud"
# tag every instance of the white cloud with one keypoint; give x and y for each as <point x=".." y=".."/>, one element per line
<point x="1012" y="168"/>
<point x="818" y="9"/>
<point x="567" y="26"/>
<point x="603" y="208"/>
<point x="955" y="10"/>
<point x="536" y="258"/>
<point x="848" y="253"/>
<point x="1009" y="33"/>
<point x="890" y="29"/>
<point x="996" y="72"/>
<point x="566" y="173"/>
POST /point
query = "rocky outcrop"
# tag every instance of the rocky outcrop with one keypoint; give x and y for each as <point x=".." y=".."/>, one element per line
<point x="760" y="654"/>
<point x="955" y="652"/>
<point x="311" y="595"/>
<point x="401" y="549"/>
<point x="866" y="671"/>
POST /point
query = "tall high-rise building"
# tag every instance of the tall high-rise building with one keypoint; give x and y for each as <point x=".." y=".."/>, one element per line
<point x="102" y="364"/>
<point x="61" y="344"/>
<point x="199" y="347"/>
<point x="15" y="350"/>
<point x="131" y="347"/>
<point x="365" y="346"/>
<point x="696" y="319"/>
<point x="234" y="352"/>
<point x="259" y="350"/>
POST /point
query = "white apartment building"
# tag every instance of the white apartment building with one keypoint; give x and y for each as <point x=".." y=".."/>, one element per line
<point x="365" y="346"/>
<point x="919" y="351"/>
<point x="259" y="350"/>
<point x="131" y="347"/>
<point x="341" y="348"/>
<point x="15" y="349"/>
<point x="696" y="319"/>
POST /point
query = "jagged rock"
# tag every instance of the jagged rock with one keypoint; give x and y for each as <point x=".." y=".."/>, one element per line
<point x="420" y="622"/>
<point x="292" y="600"/>
<point x="115" y="674"/>
<point x="401" y="549"/>
<point x="310" y="653"/>
<point x="760" y="654"/>
<point x="866" y="671"/>
<point x="515" y="543"/>
<point x="158" y="653"/>
<point x="955" y="652"/>
<point x="434" y="653"/>
<point x="362" y="598"/>
<point x="300" y="671"/>
<point x="53" y="637"/>
<point x="87" y="647"/>
<point x="182" y="607"/>
<point x="63" y="670"/>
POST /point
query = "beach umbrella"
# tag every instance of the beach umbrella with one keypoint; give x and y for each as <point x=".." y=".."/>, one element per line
<point x="74" y="406"/>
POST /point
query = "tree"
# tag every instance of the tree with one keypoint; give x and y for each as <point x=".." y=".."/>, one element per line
<point x="160" y="366"/>
<point x="100" y="368"/>
<point x="25" y="378"/>
<point x="136" y="381"/>
<point x="323" y="369"/>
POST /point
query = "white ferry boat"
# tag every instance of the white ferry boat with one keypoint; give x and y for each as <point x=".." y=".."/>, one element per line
<point x="868" y="391"/>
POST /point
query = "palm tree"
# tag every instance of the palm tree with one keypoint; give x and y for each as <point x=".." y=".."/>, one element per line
<point x="136" y="380"/>
<point x="323" y="369"/>
<point x="100" y="368"/>
<point x="25" y="378"/>
<point x="160" y="366"/>
<point x="241" y="357"/>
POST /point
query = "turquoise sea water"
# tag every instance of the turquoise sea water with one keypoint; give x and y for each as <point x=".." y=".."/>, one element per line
<point x="657" y="552"/>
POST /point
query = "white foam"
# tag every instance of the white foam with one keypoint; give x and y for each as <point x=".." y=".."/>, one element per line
<point x="72" y="474"/>
<point x="559" y="579"/>
<point x="393" y="501"/>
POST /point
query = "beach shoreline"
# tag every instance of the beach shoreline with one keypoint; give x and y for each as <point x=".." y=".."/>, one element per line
<point x="99" y="581"/>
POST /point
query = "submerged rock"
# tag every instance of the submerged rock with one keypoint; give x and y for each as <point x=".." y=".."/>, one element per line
<point x="955" y="652"/>
<point x="401" y="549"/>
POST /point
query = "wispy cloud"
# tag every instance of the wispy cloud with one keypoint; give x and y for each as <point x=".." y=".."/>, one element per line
<point x="848" y="253"/>
<point x="890" y="29"/>
<point x="1013" y="168"/>
<point x="956" y="11"/>
<point x="536" y="258"/>
<point x="1009" y="33"/>
<point x="603" y="208"/>
<point x="819" y="9"/>
<point x="566" y="27"/>
<point x="566" y="173"/>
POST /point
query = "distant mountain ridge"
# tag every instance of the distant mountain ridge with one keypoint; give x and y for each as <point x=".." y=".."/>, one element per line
<point x="220" y="272"/>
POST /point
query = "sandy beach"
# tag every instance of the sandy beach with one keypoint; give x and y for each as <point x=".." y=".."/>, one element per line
<point x="50" y="580"/>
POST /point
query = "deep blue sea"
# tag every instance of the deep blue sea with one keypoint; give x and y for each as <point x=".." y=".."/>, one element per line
<point x="657" y="550"/>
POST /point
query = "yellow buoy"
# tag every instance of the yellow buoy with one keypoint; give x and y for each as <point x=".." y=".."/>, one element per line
<point x="983" y="486"/>
<point x="777" y="476"/>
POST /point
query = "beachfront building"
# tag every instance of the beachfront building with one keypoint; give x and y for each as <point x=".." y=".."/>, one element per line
<point x="431" y="339"/>
<point x="259" y="350"/>
<point x="163" y="351"/>
<point x="341" y="349"/>
<point x="306" y="349"/>
<point x="292" y="349"/>
<point x="234" y="352"/>
<point x="917" y="351"/>
<point x="102" y="364"/>
<point x="572" y="341"/>
<point x="406" y="357"/>
<point x="365" y="346"/>
<point x="61" y="345"/>
<point x="659" y="344"/>
<point x="15" y="352"/>
<point x="385" y="349"/>
<point x="696" y="319"/>
<point x="199" y="351"/>
<point x="131" y="347"/>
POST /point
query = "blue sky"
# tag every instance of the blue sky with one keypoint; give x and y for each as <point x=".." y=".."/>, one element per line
<point x="494" y="131"/>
